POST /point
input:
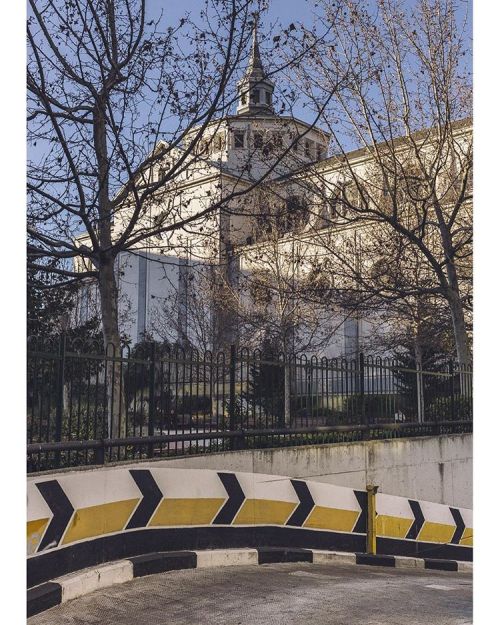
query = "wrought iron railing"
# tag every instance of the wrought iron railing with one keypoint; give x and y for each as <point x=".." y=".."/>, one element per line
<point x="88" y="407"/>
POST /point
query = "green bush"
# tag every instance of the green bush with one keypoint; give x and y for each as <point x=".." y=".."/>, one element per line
<point x="377" y="408"/>
<point x="194" y="404"/>
<point x="442" y="408"/>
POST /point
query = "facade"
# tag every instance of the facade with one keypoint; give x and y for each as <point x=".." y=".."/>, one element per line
<point x="158" y="282"/>
<point x="178" y="288"/>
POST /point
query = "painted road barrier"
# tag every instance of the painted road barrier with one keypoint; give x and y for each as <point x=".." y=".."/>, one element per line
<point x="80" y="583"/>
<point x="86" y="518"/>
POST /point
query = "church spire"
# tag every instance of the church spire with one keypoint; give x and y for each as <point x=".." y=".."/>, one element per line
<point x="255" y="90"/>
<point x="255" y="60"/>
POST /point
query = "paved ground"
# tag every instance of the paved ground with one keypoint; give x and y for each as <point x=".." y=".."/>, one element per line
<point x="276" y="594"/>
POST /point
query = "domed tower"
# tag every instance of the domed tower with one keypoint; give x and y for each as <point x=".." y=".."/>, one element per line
<point x="255" y="90"/>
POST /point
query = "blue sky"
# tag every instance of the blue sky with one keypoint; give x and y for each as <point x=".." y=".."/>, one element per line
<point x="279" y="15"/>
<point x="286" y="10"/>
<point x="280" y="12"/>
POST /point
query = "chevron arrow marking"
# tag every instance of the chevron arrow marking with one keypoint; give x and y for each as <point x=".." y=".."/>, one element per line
<point x="361" y="523"/>
<point x="306" y="504"/>
<point x="151" y="497"/>
<point x="457" y="517"/>
<point x="236" y="497"/>
<point x="62" y="510"/>
<point x="417" y="524"/>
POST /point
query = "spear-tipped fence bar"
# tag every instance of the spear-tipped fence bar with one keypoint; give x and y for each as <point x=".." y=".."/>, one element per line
<point x="173" y="402"/>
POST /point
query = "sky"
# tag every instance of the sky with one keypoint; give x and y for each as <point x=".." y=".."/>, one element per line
<point x="279" y="12"/>
<point x="278" y="16"/>
<point x="286" y="10"/>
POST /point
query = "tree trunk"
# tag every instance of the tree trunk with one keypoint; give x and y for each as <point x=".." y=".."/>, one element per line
<point x="108" y="292"/>
<point x="286" y="408"/>
<point x="453" y="293"/>
<point x="459" y="330"/>
<point x="420" y="385"/>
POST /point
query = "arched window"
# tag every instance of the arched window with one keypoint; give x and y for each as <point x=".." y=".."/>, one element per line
<point x="295" y="215"/>
<point x="239" y="139"/>
<point x="277" y="140"/>
<point x="340" y="200"/>
<point x="258" y="140"/>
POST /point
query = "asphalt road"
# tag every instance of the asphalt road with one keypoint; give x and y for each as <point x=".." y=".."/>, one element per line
<point x="276" y="594"/>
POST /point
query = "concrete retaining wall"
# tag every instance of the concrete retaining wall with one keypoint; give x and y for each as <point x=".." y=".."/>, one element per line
<point x="433" y="468"/>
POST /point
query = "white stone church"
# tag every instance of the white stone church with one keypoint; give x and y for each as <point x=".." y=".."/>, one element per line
<point x="171" y="289"/>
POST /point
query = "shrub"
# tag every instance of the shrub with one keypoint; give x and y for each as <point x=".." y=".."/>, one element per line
<point x="442" y="408"/>
<point x="377" y="408"/>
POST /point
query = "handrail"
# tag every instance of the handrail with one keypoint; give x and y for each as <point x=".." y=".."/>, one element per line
<point x="240" y="433"/>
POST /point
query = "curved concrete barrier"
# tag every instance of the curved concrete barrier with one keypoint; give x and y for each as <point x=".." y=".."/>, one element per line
<point x="86" y="518"/>
<point x="83" y="582"/>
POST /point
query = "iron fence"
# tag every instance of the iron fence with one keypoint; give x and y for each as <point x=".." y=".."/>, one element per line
<point x="87" y="405"/>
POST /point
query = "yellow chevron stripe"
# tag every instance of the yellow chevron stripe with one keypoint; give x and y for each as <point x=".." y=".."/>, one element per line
<point x="466" y="537"/>
<point x="337" y="519"/>
<point x="392" y="526"/>
<point x="97" y="520"/>
<point x="264" y="511"/>
<point x="34" y="533"/>
<point x="436" y="532"/>
<point x="186" y="511"/>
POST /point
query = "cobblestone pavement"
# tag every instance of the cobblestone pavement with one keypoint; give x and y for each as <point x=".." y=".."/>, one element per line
<point x="276" y="594"/>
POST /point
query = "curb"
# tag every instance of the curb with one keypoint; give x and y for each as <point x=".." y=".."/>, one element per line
<point x="73" y="585"/>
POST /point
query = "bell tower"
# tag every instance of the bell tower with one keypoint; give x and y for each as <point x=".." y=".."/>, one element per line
<point x="254" y="89"/>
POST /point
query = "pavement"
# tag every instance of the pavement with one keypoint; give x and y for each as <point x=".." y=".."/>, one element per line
<point x="276" y="594"/>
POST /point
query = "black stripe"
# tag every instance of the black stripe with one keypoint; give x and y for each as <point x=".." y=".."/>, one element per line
<point x="459" y="522"/>
<point x="362" y="497"/>
<point x="43" y="597"/>
<point x="62" y="510"/>
<point x="151" y="497"/>
<point x="419" y="549"/>
<point x="56" y="562"/>
<point x="272" y="555"/>
<point x="375" y="559"/>
<point x="160" y="562"/>
<point x="417" y="524"/>
<point x="440" y="565"/>
<point x="306" y="504"/>
<point x="236" y="497"/>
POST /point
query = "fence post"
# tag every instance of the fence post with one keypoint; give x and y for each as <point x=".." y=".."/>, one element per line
<point x="151" y="402"/>
<point x="420" y="392"/>
<point x="232" y="393"/>
<point x="361" y="387"/>
<point x="60" y="394"/>
<point x="371" y="522"/>
<point x="100" y="453"/>
<point x="452" y="390"/>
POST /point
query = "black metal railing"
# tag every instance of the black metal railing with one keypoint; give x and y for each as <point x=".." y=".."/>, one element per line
<point x="88" y="407"/>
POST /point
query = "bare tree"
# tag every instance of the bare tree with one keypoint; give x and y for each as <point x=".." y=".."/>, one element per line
<point x="186" y="316"/>
<point x="118" y="110"/>
<point x="104" y="85"/>
<point x="270" y="294"/>
<point x="407" y="188"/>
